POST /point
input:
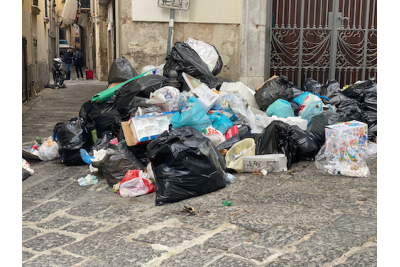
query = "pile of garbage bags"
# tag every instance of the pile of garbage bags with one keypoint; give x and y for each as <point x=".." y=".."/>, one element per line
<point x="178" y="130"/>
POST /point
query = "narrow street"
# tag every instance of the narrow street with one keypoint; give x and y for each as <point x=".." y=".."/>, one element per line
<point x="302" y="218"/>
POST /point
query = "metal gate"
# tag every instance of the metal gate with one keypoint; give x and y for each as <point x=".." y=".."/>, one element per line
<point x="321" y="39"/>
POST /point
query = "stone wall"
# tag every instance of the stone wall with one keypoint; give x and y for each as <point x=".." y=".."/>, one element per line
<point x="145" y="43"/>
<point x="43" y="77"/>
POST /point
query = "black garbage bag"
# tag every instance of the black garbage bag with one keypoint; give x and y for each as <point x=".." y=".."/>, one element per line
<point x="141" y="87"/>
<point x="337" y="97"/>
<point x="307" y="149"/>
<point x="373" y="132"/>
<point x="184" y="59"/>
<point x="350" y="109"/>
<point x="330" y="88"/>
<point x="104" y="141"/>
<point x="72" y="157"/>
<point x="103" y="115"/>
<point x="296" y="108"/>
<point x="218" y="66"/>
<point x="312" y="86"/>
<point x="357" y="91"/>
<point x="84" y="114"/>
<point x="278" y="138"/>
<point x="116" y="126"/>
<point x="316" y="127"/>
<point x="140" y="107"/>
<point x="185" y="164"/>
<point x="118" y="160"/>
<point x="25" y="174"/>
<point x="227" y="144"/>
<point x="277" y="88"/>
<point x="370" y="101"/>
<point x="244" y="131"/>
<point x="121" y="71"/>
<point x="72" y="135"/>
<point x="369" y="117"/>
<point x="140" y="153"/>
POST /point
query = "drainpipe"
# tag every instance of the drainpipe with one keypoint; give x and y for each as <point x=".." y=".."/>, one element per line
<point x="34" y="76"/>
<point x="58" y="35"/>
<point x="117" y="33"/>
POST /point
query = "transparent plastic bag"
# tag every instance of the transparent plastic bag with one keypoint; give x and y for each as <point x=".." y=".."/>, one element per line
<point x="344" y="157"/>
<point x="147" y="68"/>
<point x="235" y="104"/>
<point x="163" y="97"/>
<point x="49" y="150"/>
<point x="207" y="53"/>
<point x="312" y="109"/>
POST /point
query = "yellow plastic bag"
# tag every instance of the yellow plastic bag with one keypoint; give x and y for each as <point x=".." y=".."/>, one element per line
<point x="234" y="156"/>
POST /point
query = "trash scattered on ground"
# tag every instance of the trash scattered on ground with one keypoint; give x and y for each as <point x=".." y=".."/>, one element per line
<point x="227" y="203"/>
<point x="88" y="180"/>
<point x="188" y="209"/>
<point x="26" y="170"/>
<point x="135" y="183"/>
<point x="176" y="129"/>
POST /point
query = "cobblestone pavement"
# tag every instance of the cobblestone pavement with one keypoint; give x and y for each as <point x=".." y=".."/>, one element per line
<point x="305" y="218"/>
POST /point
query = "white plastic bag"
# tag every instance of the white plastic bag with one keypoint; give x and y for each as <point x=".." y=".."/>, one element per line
<point x="49" y="150"/>
<point x="27" y="166"/>
<point x="234" y="156"/>
<point x="214" y="135"/>
<point x="136" y="186"/>
<point x="88" y="180"/>
<point x="206" y="52"/>
<point x="164" y="97"/>
<point x="147" y="68"/>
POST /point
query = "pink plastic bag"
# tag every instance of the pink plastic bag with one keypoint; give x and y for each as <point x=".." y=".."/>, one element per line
<point x="136" y="186"/>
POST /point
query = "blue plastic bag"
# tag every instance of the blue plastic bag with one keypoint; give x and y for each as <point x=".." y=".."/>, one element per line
<point x="220" y="122"/>
<point x="280" y="108"/>
<point x="86" y="157"/>
<point x="312" y="109"/>
<point x="299" y="100"/>
<point x="194" y="116"/>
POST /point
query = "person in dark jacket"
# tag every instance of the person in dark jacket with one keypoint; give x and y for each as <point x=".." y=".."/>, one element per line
<point x="78" y="61"/>
<point x="68" y="61"/>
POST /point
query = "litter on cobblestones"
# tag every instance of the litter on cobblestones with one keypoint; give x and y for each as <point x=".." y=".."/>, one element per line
<point x="88" y="180"/>
<point x="227" y="203"/>
<point x="180" y="131"/>
<point x="26" y="170"/>
<point x="49" y="150"/>
<point x="135" y="183"/>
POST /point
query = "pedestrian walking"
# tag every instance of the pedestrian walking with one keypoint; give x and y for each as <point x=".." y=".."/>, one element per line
<point x="68" y="61"/>
<point x="78" y="61"/>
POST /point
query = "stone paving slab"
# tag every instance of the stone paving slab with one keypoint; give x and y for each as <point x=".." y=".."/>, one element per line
<point x="304" y="217"/>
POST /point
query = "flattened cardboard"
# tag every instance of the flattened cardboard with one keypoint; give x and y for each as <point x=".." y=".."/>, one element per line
<point x="127" y="133"/>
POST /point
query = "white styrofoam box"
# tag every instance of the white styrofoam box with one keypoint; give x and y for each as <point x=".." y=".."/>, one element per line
<point x="251" y="117"/>
<point x="270" y="162"/>
<point x="148" y="127"/>
<point x="263" y="120"/>
<point x="241" y="89"/>
<point x="206" y="96"/>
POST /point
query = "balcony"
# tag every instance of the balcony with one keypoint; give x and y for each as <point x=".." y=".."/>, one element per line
<point x="35" y="7"/>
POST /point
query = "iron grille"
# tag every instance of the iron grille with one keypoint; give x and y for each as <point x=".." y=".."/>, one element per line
<point x="36" y="3"/>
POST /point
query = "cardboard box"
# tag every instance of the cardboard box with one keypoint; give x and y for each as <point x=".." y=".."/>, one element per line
<point x="340" y="137"/>
<point x="271" y="163"/>
<point x="128" y="133"/>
